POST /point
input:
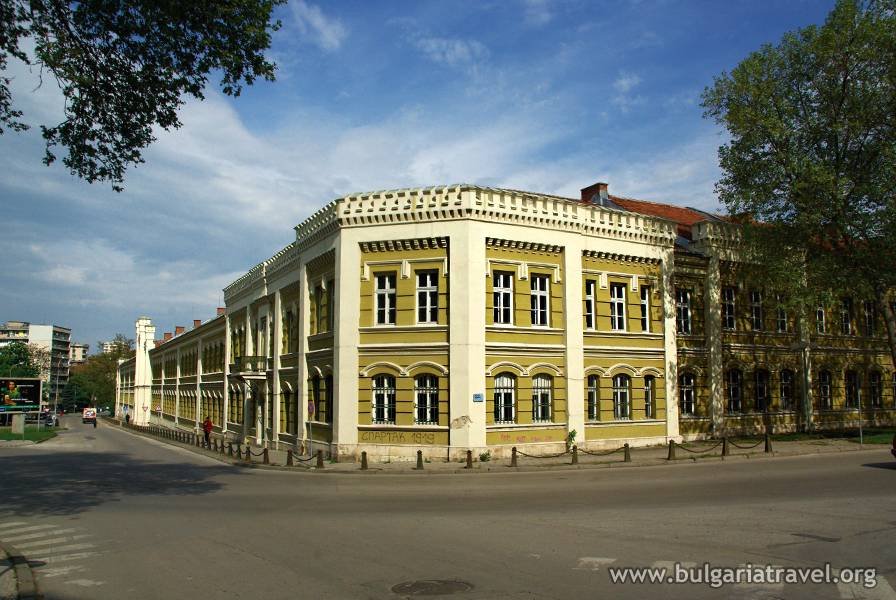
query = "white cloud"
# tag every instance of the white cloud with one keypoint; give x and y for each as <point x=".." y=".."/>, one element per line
<point x="327" y="33"/>
<point x="537" y="12"/>
<point x="452" y="52"/>
<point x="624" y="84"/>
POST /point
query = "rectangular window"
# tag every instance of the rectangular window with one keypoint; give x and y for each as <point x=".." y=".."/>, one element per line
<point x="649" y="397"/>
<point x="541" y="399"/>
<point x="875" y="390"/>
<point x="590" y="318"/>
<point x="869" y="308"/>
<point x="502" y="284"/>
<point x="761" y="390"/>
<point x="320" y="303"/>
<point x="593" y="398"/>
<point x="756" y="313"/>
<point x="781" y="316"/>
<point x="383" y="399"/>
<point x="427" y="297"/>
<point x="683" y="311"/>
<point x="728" y="314"/>
<point x="427" y="391"/>
<point x="820" y="326"/>
<point x="786" y="390"/>
<point x="852" y="389"/>
<point x="331" y="307"/>
<point x="385" y="299"/>
<point x="540" y="295"/>
<point x="505" y="398"/>
<point x="645" y="308"/>
<point x="846" y="316"/>
<point x="686" y="393"/>
<point x="617" y="306"/>
<point x="825" y="398"/>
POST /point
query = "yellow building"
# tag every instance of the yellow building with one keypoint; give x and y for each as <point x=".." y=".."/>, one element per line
<point x="463" y="318"/>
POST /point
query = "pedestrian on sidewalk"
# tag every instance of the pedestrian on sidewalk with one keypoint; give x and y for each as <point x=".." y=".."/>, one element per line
<point x="207" y="427"/>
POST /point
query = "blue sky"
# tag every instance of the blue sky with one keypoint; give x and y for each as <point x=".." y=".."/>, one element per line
<point x="542" y="95"/>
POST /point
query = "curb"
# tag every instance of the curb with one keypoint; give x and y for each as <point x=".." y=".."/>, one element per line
<point x="493" y="468"/>
<point x="26" y="585"/>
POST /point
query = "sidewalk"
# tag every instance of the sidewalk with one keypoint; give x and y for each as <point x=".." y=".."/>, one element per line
<point x="647" y="456"/>
<point x="16" y="578"/>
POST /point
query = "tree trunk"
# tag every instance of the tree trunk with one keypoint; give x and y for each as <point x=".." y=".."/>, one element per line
<point x="890" y="321"/>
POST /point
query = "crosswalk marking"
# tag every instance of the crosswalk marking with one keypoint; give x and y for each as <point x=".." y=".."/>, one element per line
<point x="34" y="536"/>
<point x="12" y="524"/>
<point x="63" y="557"/>
<point x="29" y="528"/>
<point x="67" y="548"/>
<point x="52" y="541"/>
<point x="593" y="563"/>
<point x="58" y="571"/>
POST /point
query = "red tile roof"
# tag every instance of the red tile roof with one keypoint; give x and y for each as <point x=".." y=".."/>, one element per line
<point x="683" y="216"/>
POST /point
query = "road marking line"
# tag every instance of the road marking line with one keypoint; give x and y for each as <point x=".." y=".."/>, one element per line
<point x="857" y="591"/>
<point x="592" y="563"/>
<point x="57" y="571"/>
<point x="50" y="542"/>
<point x="63" y="558"/>
<point x="29" y="528"/>
<point x="56" y="549"/>
<point x="34" y="536"/>
<point x="86" y="582"/>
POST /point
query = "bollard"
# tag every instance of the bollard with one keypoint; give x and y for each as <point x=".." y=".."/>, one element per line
<point x="215" y="444"/>
<point x="320" y="459"/>
<point x="768" y="443"/>
<point x="265" y="458"/>
<point x="289" y="458"/>
<point x="230" y="449"/>
<point x="221" y="447"/>
<point x="469" y="459"/>
<point x="419" y="466"/>
<point x="671" y="450"/>
<point x="513" y="457"/>
<point x="364" y="460"/>
<point x="626" y="453"/>
<point x="575" y="455"/>
<point x="248" y="455"/>
<point x="725" y="446"/>
<point x="239" y="452"/>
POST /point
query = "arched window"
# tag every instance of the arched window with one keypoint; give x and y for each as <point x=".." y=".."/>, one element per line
<point x="875" y="390"/>
<point x="593" y="398"/>
<point x="505" y="398"/>
<point x="733" y="390"/>
<point x="686" y="395"/>
<point x="542" y="393"/>
<point x="825" y="398"/>
<point x="852" y="389"/>
<point x="426" y="391"/>
<point x="649" y="397"/>
<point x="760" y="378"/>
<point x="786" y="390"/>
<point x="622" y="408"/>
<point x="384" y="399"/>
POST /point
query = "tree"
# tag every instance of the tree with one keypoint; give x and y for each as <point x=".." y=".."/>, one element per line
<point x="94" y="379"/>
<point x="127" y="66"/>
<point x="16" y="360"/>
<point x="810" y="165"/>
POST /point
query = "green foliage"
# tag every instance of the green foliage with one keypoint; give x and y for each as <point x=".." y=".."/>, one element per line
<point x="18" y="360"/>
<point x="571" y="438"/>
<point x="93" y="381"/>
<point x="810" y="164"/>
<point x="126" y="67"/>
<point x="485" y="456"/>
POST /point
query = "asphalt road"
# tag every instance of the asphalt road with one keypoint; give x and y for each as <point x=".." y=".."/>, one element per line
<point x="102" y="513"/>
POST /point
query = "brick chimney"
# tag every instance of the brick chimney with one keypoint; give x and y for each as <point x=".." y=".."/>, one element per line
<point x="157" y="343"/>
<point x="221" y="310"/>
<point x="596" y="194"/>
<point x="197" y="323"/>
<point x="167" y="336"/>
<point x="178" y="329"/>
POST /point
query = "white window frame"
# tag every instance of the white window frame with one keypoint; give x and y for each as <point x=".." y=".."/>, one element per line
<point x="687" y="393"/>
<point x="820" y="323"/>
<point x="846" y="316"/>
<point x="649" y="397"/>
<point x="761" y="392"/>
<point x="540" y="299"/>
<point x="622" y="397"/>
<point x="383" y="405"/>
<point x="786" y="389"/>
<point x="427" y="297"/>
<point x="729" y="306"/>
<point x="542" y="398"/>
<point x="683" y="311"/>
<point x="825" y="390"/>
<point x="645" y="308"/>
<point x="386" y="314"/>
<point x="734" y="391"/>
<point x="505" y="398"/>
<point x="426" y="399"/>
<point x="593" y="398"/>
<point x="590" y="304"/>
<point x="781" y="316"/>
<point x="869" y="309"/>
<point x="851" y="400"/>
<point x="617" y="306"/>
<point x="503" y="297"/>
<point x="757" y="312"/>
<point x="875" y="389"/>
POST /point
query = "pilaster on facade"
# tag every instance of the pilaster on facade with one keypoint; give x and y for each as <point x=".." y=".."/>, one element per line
<point x="304" y="325"/>
<point x="277" y="326"/>
<point x="228" y="352"/>
<point x="670" y="345"/>
<point x="574" y="340"/>
<point x="143" y="371"/>
<point x="713" y="318"/>
<point x="346" y="340"/>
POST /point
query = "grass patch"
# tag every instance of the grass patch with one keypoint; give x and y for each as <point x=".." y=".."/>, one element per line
<point x="874" y="436"/>
<point x="32" y="433"/>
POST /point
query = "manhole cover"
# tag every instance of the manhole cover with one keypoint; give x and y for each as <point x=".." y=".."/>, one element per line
<point x="431" y="587"/>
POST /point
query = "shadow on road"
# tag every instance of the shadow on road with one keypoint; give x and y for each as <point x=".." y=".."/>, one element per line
<point x="69" y="484"/>
<point x="884" y="465"/>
